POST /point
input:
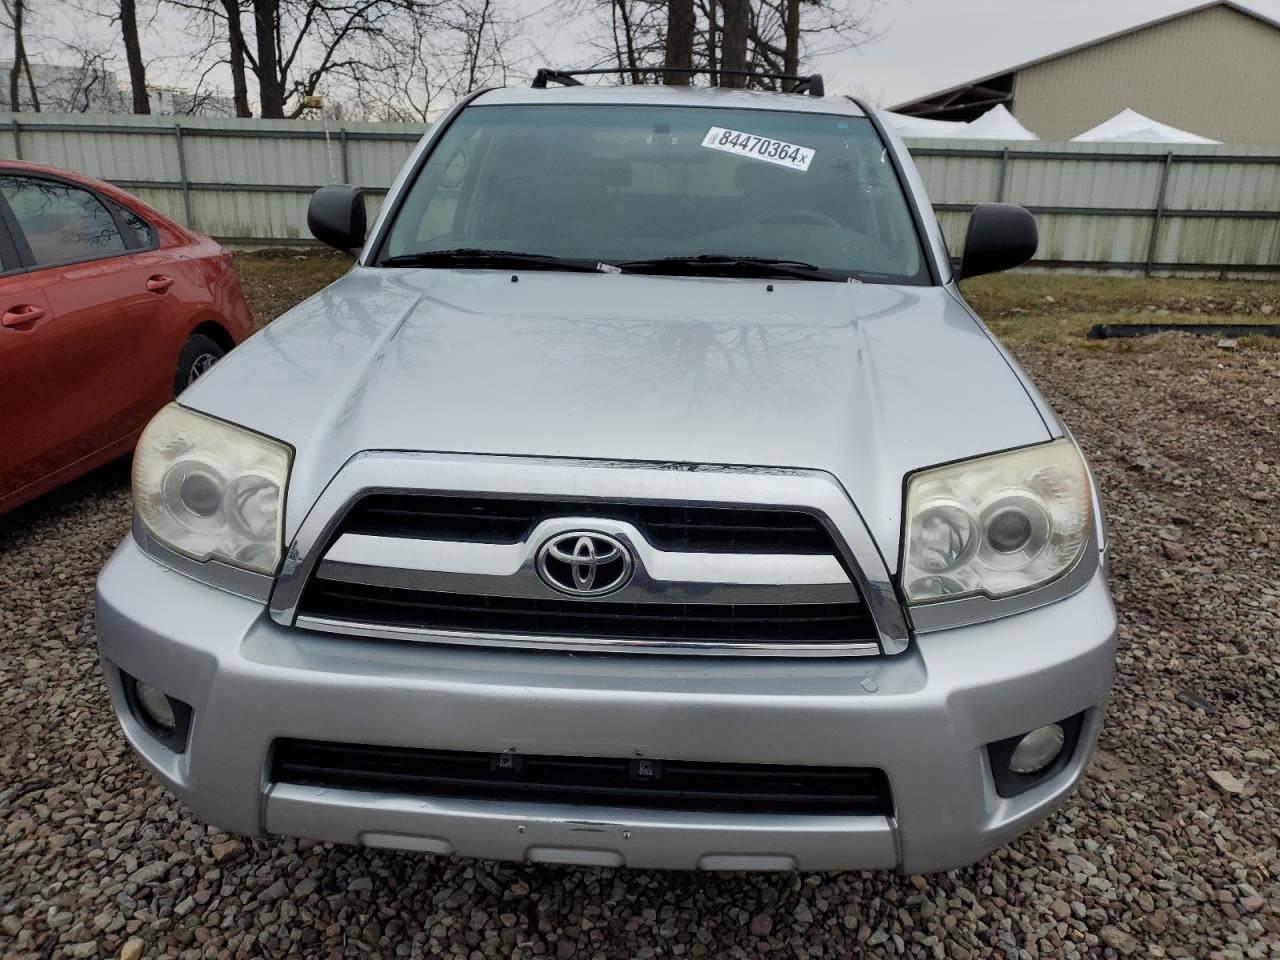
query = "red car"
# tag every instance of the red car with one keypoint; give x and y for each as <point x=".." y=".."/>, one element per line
<point x="108" y="309"/>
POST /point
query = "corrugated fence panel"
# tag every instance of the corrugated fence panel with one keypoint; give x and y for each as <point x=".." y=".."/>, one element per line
<point x="376" y="162"/>
<point x="114" y="155"/>
<point x="1108" y="206"/>
<point x="1124" y="206"/>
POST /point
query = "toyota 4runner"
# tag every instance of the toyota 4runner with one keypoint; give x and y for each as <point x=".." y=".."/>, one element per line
<point x="646" y="494"/>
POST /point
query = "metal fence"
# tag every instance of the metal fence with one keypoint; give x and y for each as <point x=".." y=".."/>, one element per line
<point x="1129" y="207"/>
<point x="1125" y="207"/>
<point x="245" y="182"/>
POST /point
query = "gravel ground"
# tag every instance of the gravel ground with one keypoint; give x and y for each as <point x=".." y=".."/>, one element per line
<point x="1168" y="849"/>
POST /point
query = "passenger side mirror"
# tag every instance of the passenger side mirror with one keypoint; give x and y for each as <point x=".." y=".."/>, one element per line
<point x="336" y="216"/>
<point x="1000" y="236"/>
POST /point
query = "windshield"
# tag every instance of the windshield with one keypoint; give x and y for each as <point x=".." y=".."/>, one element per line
<point x="635" y="184"/>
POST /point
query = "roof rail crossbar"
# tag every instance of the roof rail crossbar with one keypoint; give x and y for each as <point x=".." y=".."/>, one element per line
<point x="811" y="84"/>
<point x="545" y="76"/>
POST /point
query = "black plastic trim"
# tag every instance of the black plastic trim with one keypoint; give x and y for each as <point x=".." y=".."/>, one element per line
<point x="811" y="84"/>
<point x="694" y="527"/>
<point x="175" y="739"/>
<point x="800" y="623"/>
<point x="1010" y="784"/>
<point x="642" y="783"/>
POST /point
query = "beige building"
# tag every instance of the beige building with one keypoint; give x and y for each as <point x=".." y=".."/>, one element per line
<point x="1213" y="70"/>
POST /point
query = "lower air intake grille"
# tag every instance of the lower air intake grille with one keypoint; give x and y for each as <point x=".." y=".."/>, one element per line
<point x="585" y="781"/>
<point x="690" y="622"/>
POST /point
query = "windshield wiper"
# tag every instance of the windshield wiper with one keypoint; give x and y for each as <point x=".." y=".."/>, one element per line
<point x="714" y="263"/>
<point x="492" y="259"/>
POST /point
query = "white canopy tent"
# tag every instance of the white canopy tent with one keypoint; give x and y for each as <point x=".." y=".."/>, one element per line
<point x="996" y="124"/>
<point x="1129" y="126"/>
<point x="925" y="128"/>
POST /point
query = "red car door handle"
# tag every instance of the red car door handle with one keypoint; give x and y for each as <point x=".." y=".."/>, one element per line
<point x="159" y="283"/>
<point x="19" y="316"/>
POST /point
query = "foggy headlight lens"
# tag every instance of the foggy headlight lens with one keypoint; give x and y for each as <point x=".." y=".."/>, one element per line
<point x="210" y="490"/>
<point x="997" y="525"/>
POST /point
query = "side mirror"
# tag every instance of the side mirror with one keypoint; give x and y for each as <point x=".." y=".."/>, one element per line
<point x="336" y="216"/>
<point x="1000" y="236"/>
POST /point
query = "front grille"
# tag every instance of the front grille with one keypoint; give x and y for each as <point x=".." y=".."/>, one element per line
<point x="585" y="781"/>
<point x="688" y="622"/>
<point x="687" y="527"/>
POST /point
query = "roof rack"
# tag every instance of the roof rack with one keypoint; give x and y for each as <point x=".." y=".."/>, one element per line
<point x="811" y="84"/>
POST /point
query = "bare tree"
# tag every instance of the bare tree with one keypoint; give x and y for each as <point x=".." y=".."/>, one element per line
<point x="633" y="36"/>
<point x="236" y="57"/>
<point x="438" y="55"/>
<point x="220" y="34"/>
<point x="679" y="40"/>
<point x="298" y="43"/>
<point x="735" y="33"/>
<point x="786" y="32"/>
<point x="82" y="81"/>
<point x="133" y="55"/>
<point x="772" y="36"/>
<point x="14" y="12"/>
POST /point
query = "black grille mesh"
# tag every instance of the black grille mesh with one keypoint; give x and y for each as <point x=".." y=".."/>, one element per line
<point x="720" y="622"/>
<point x="686" y="527"/>
<point x="587" y="781"/>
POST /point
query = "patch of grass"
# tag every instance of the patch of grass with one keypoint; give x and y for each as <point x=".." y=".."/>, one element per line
<point x="275" y="280"/>
<point x="1071" y="329"/>
<point x="1008" y="295"/>
<point x="1060" y="308"/>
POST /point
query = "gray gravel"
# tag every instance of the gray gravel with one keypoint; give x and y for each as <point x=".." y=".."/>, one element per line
<point x="1169" y="848"/>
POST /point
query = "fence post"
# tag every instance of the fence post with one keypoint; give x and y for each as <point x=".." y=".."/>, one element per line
<point x="342" y="148"/>
<point x="1158" y="213"/>
<point x="182" y="174"/>
<point x="17" y="139"/>
<point x="1004" y="174"/>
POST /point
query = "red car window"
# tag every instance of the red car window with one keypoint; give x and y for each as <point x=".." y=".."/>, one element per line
<point x="60" y="222"/>
<point x="139" y="228"/>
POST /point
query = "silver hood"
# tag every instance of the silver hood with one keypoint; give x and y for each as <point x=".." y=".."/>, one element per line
<point x="865" y="381"/>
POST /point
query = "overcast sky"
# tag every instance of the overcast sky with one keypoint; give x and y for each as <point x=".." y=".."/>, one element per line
<point x="929" y="45"/>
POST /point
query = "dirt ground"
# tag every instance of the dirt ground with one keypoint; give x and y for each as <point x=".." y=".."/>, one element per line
<point x="1169" y="848"/>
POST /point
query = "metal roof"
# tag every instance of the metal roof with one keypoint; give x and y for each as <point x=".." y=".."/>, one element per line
<point x="659" y="95"/>
<point x="1145" y="25"/>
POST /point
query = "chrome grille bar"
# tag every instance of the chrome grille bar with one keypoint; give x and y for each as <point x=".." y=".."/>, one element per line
<point x="507" y="570"/>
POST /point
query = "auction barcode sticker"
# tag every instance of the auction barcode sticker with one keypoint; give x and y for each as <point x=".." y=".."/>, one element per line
<point x="767" y="149"/>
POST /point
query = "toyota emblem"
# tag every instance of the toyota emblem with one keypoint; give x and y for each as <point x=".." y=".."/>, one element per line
<point x="584" y="563"/>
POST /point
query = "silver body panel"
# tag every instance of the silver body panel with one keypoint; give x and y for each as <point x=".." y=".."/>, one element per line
<point x="923" y="717"/>
<point x="859" y="381"/>
<point x="818" y="396"/>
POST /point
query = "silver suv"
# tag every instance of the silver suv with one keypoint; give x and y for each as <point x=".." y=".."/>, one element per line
<point x="645" y="495"/>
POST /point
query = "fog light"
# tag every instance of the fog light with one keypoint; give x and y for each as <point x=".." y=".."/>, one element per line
<point x="1037" y="749"/>
<point x="156" y="706"/>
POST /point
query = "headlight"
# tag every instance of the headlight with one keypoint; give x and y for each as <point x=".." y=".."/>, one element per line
<point x="998" y="525"/>
<point x="210" y="490"/>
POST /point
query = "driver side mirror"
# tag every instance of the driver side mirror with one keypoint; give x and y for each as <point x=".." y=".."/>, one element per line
<point x="336" y="216"/>
<point x="1000" y="236"/>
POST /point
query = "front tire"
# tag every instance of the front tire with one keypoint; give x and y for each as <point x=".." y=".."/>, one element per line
<point x="198" y="356"/>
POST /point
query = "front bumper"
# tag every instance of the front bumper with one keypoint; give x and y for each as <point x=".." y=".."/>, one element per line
<point x="924" y="717"/>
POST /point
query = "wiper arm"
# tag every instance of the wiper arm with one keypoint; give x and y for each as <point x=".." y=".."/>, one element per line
<point x="493" y="259"/>
<point x="710" y="262"/>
